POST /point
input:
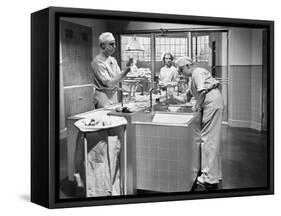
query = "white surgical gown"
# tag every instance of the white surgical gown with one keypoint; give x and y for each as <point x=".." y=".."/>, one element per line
<point x="211" y="124"/>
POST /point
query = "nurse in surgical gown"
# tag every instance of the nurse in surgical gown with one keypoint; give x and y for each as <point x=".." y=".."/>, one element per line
<point x="168" y="74"/>
<point x="209" y="101"/>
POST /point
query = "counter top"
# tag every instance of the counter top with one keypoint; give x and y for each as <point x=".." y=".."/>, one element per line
<point x="140" y="124"/>
<point x="147" y="116"/>
<point x="142" y="114"/>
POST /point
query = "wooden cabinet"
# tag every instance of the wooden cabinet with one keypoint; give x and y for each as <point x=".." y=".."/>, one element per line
<point x="76" y="89"/>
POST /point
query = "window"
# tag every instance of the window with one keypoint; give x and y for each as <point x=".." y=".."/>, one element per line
<point x="176" y="45"/>
<point x="140" y="56"/>
<point x="200" y="48"/>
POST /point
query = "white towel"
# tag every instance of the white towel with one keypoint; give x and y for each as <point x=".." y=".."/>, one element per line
<point x="99" y="122"/>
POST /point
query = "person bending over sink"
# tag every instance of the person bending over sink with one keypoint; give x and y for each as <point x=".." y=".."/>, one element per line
<point x="209" y="101"/>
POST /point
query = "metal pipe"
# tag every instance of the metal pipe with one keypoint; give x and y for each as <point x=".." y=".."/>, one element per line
<point x="150" y="96"/>
<point x="121" y="93"/>
<point x="136" y="87"/>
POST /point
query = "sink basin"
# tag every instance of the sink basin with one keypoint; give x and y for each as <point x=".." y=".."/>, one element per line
<point x="180" y="108"/>
<point x="171" y="118"/>
<point x="160" y="107"/>
<point x="173" y="108"/>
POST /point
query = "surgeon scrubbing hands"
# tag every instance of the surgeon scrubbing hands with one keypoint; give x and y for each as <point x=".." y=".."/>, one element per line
<point x="209" y="100"/>
<point x="186" y="97"/>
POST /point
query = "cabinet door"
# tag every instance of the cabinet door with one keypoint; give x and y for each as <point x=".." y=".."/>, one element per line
<point x="76" y="56"/>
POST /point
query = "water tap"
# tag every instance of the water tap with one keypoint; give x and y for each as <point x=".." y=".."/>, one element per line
<point x="121" y="93"/>
<point x="136" y="87"/>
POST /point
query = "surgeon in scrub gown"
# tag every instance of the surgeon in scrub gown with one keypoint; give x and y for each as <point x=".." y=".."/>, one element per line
<point x="106" y="72"/>
<point x="103" y="176"/>
<point x="209" y="101"/>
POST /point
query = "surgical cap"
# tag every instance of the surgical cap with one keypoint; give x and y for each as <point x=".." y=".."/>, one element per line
<point x="106" y="36"/>
<point x="182" y="61"/>
<point x="167" y="53"/>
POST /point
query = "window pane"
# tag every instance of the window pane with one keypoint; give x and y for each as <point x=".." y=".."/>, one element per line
<point x="202" y="45"/>
<point x="141" y="57"/>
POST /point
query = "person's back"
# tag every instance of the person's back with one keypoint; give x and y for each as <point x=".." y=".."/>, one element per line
<point x="201" y="79"/>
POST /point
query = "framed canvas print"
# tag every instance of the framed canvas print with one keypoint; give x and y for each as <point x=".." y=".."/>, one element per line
<point x="139" y="107"/>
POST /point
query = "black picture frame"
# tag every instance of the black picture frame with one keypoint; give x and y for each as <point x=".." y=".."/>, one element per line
<point x="45" y="109"/>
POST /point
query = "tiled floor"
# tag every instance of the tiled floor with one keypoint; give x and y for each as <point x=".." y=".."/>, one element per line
<point x="244" y="161"/>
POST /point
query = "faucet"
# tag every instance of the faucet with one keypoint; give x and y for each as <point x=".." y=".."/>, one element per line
<point x="166" y="89"/>
<point x="121" y="93"/>
<point x="136" y="87"/>
<point x="150" y="96"/>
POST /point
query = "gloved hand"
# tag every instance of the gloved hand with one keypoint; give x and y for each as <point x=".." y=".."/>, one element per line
<point x="196" y="108"/>
<point x="170" y="94"/>
<point x="127" y="70"/>
<point x="129" y="63"/>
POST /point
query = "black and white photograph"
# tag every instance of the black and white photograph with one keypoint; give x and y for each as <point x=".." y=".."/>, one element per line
<point x="140" y="108"/>
<point x="157" y="108"/>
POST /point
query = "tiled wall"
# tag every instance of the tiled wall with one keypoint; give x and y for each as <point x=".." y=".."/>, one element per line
<point x="167" y="157"/>
<point x="222" y="75"/>
<point x="256" y="97"/>
<point x="245" y="96"/>
<point x="245" y="77"/>
<point x="240" y="95"/>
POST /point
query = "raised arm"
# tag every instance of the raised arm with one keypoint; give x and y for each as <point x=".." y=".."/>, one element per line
<point x="102" y="73"/>
<point x="116" y="79"/>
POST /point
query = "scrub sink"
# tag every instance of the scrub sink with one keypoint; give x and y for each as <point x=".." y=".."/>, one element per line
<point x="171" y="118"/>
<point x="171" y="108"/>
<point x="167" y="146"/>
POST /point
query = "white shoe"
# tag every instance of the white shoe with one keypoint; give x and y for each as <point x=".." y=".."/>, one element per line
<point x="200" y="180"/>
<point x="203" y="179"/>
<point x="78" y="180"/>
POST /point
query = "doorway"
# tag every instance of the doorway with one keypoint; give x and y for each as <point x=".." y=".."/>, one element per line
<point x="209" y="50"/>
